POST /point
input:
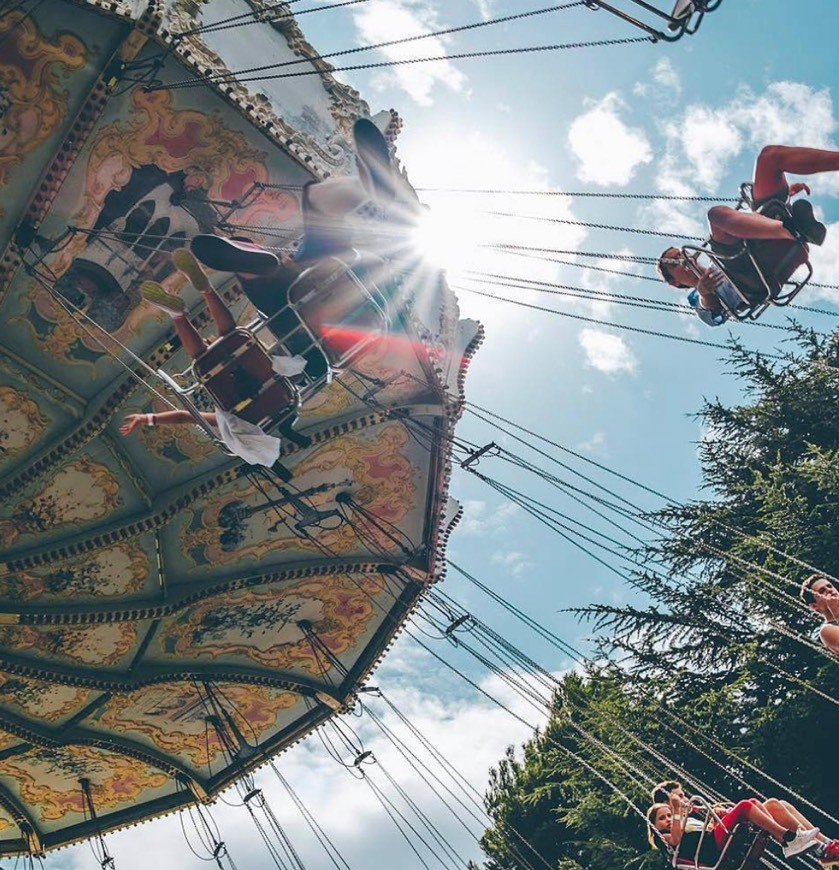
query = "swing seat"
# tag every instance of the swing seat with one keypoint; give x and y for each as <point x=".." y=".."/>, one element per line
<point x="236" y="371"/>
<point x="764" y="272"/>
<point x="742" y="851"/>
<point x="335" y="311"/>
<point x="341" y="306"/>
<point x="679" y="17"/>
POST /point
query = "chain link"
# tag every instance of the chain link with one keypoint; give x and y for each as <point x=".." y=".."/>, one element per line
<point x="579" y="193"/>
<point x="566" y="222"/>
<point x="416" y="38"/>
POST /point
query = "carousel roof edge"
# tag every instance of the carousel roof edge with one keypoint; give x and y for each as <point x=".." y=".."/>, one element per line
<point x="346" y="103"/>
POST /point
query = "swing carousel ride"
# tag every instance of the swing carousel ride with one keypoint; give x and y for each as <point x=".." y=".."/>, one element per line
<point x="171" y="618"/>
<point x="161" y="601"/>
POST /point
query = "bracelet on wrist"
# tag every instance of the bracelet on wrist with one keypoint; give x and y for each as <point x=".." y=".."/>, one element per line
<point x="150" y="420"/>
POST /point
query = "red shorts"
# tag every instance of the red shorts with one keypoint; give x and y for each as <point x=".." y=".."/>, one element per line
<point x="737" y="815"/>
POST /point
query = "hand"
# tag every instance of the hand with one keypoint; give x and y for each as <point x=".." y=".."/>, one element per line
<point x="131" y="422"/>
<point x="677" y="804"/>
<point x="797" y="187"/>
<point x="710" y="282"/>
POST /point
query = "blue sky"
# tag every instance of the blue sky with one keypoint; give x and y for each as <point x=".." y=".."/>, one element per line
<point x="682" y="119"/>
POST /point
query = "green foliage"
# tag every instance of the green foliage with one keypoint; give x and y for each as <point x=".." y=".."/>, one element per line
<point x="716" y="655"/>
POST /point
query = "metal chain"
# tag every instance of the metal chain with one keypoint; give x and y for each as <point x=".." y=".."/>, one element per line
<point x="637" y="329"/>
<point x="571" y="223"/>
<point x="627" y="258"/>
<point x="416" y="38"/>
<point x="607" y="295"/>
<point x="257" y="17"/>
<point x="467" y="55"/>
<point x="580" y="193"/>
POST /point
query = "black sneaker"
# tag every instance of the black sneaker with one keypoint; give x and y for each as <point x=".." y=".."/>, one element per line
<point x="232" y="255"/>
<point x="373" y="158"/>
<point x="805" y="222"/>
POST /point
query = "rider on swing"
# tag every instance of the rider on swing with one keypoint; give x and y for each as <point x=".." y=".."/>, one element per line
<point x="729" y="227"/>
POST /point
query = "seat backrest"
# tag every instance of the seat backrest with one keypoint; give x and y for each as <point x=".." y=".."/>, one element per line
<point x="738" y="847"/>
<point x="237" y="372"/>
<point x="338" y="309"/>
<point x="777" y="260"/>
<point x="741" y="850"/>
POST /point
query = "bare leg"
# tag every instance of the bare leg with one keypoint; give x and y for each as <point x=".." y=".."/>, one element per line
<point x="775" y="160"/>
<point x="757" y="815"/>
<point x="190" y="338"/>
<point x="729" y="226"/>
<point x="220" y="313"/>
<point x="185" y="262"/>
<point x="787" y="815"/>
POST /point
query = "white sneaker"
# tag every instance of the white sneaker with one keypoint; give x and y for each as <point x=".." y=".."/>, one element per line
<point x="803" y="841"/>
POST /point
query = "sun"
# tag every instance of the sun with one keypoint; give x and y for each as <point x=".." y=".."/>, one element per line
<point x="451" y="237"/>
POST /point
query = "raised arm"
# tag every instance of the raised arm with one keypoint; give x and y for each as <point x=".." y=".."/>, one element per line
<point x="679" y="808"/>
<point x="166" y="418"/>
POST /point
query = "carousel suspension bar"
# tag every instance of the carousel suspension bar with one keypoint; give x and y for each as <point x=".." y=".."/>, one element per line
<point x="100" y="850"/>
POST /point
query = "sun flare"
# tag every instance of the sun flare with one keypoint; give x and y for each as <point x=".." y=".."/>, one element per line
<point x="452" y="238"/>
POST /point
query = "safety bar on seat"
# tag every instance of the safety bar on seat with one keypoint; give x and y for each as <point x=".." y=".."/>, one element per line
<point x="684" y="18"/>
<point x="771" y="290"/>
<point x="741" y="850"/>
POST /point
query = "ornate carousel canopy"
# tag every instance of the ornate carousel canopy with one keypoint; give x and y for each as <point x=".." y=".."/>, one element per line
<point x="158" y="600"/>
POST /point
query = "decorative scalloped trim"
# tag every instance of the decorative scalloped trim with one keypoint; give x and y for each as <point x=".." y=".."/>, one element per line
<point x="155" y="521"/>
<point x="255" y="109"/>
<point x="47" y="741"/>
<point x="38" y="671"/>
<point x="159" y="611"/>
<point x="76" y="136"/>
<point x="468" y="354"/>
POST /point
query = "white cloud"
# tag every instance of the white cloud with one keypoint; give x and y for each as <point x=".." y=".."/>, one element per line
<point x="385" y="20"/>
<point x="608" y="150"/>
<point x="701" y="143"/>
<point x="787" y="113"/>
<point x="709" y="139"/>
<point x="477" y="520"/>
<point x="485" y="8"/>
<point x="516" y="563"/>
<point x="666" y="82"/>
<point x="469" y="730"/>
<point x="606" y="352"/>
<point x="606" y="282"/>
<point x="825" y="262"/>
<point x="664" y="74"/>
<point x="596" y="444"/>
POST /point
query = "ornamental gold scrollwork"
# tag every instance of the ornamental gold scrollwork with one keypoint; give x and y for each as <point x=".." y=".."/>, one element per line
<point x="48" y="779"/>
<point x="31" y="89"/>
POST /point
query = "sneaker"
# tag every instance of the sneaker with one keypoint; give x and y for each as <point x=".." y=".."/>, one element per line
<point x="233" y="255"/>
<point x="830" y="856"/>
<point x="373" y="159"/>
<point x="802" y="841"/>
<point x="805" y="223"/>
<point x="185" y="262"/>
<point x="682" y="10"/>
<point x="152" y="292"/>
